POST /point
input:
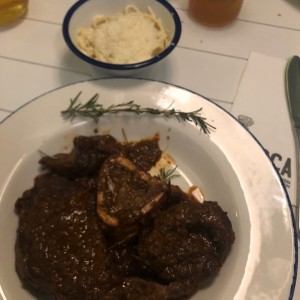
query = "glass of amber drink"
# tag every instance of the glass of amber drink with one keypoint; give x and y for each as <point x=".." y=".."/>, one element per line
<point x="214" y="13"/>
<point x="12" y="10"/>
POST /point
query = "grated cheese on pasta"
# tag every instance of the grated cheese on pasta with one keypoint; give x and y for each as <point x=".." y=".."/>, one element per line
<point x="128" y="37"/>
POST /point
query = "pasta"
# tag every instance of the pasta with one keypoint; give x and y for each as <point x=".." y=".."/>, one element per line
<point x="124" y="38"/>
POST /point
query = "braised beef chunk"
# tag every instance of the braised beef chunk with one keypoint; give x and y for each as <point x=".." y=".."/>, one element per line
<point x="126" y="193"/>
<point x="89" y="153"/>
<point x="144" y="153"/>
<point x="119" y="234"/>
<point x="133" y="288"/>
<point x="85" y="159"/>
<point x="201" y="234"/>
<point x="60" y="246"/>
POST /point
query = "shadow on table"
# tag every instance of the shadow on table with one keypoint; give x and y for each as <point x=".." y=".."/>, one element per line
<point x="294" y="3"/>
<point x="84" y="71"/>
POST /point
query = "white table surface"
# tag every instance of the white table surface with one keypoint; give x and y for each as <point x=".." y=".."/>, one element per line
<point x="34" y="58"/>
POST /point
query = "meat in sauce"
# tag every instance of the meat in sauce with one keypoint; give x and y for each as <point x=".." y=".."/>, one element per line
<point x="96" y="225"/>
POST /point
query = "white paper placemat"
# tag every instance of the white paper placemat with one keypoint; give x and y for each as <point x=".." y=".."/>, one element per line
<point x="261" y="106"/>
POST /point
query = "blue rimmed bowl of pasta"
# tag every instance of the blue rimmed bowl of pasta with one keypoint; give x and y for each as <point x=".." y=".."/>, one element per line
<point x="121" y="37"/>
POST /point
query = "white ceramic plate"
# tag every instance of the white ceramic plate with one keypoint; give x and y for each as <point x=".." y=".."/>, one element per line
<point x="229" y="165"/>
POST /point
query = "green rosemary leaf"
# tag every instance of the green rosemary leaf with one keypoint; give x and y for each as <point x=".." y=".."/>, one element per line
<point x="93" y="109"/>
<point x="167" y="175"/>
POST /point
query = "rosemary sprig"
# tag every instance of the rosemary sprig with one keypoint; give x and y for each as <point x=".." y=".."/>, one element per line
<point x="95" y="110"/>
<point x="43" y="154"/>
<point x="167" y="175"/>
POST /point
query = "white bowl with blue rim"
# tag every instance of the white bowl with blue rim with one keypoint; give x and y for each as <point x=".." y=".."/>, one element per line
<point x="81" y="14"/>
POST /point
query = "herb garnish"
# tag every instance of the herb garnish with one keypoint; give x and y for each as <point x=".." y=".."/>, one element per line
<point x="93" y="109"/>
<point x="167" y="175"/>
